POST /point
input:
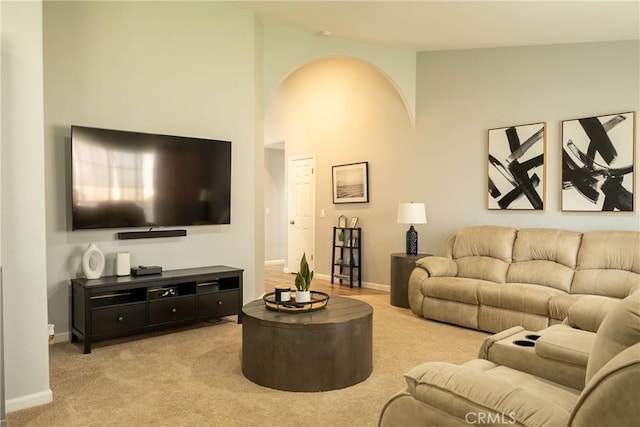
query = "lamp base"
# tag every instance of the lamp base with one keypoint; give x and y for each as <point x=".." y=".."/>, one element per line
<point x="412" y="241"/>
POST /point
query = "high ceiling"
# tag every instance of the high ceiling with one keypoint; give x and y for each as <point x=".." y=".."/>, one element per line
<point x="453" y="24"/>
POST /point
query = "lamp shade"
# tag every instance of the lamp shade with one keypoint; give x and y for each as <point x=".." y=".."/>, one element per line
<point x="412" y="213"/>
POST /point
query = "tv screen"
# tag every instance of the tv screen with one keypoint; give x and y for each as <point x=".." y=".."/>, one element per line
<point x="133" y="179"/>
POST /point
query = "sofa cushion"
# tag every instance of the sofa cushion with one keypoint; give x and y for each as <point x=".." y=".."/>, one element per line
<point x="494" y="319"/>
<point x="484" y="252"/>
<point x="539" y="272"/>
<point x="608" y="264"/>
<point x="483" y="268"/>
<point x="589" y="311"/>
<point x="447" y="250"/>
<point x="544" y="257"/>
<point x="518" y="297"/>
<point x="619" y="329"/>
<point x="547" y="244"/>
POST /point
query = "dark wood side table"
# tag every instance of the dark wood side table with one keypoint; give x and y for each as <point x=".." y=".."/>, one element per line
<point x="322" y="350"/>
<point x="401" y="267"/>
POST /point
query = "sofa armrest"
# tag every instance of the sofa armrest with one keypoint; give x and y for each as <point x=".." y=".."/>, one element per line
<point x="489" y="341"/>
<point x="438" y="266"/>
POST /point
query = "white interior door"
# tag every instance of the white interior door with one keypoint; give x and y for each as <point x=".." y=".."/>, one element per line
<point x="301" y="212"/>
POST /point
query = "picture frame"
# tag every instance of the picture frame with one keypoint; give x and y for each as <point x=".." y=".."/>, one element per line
<point x="342" y="221"/>
<point x="516" y="167"/>
<point x="598" y="163"/>
<point x="354" y="222"/>
<point x="350" y="183"/>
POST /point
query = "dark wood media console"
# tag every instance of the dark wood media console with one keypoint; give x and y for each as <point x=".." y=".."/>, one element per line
<point x="115" y="306"/>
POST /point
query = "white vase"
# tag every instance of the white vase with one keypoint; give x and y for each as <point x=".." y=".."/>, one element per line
<point x="303" y="296"/>
<point x="92" y="262"/>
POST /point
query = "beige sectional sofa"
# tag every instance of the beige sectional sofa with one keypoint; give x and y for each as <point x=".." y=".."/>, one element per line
<point x="492" y="278"/>
<point x="503" y="386"/>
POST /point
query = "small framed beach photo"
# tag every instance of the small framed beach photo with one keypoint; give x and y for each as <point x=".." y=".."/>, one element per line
<point x="351" y="183"/>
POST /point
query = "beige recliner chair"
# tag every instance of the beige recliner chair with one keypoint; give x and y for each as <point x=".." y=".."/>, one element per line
<point x="482" y="392"/>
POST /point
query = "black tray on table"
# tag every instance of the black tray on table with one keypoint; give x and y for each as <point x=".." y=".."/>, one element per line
<point x="318" y="301"/>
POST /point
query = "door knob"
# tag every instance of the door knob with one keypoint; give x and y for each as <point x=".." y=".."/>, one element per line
<point x="292" y="222"/>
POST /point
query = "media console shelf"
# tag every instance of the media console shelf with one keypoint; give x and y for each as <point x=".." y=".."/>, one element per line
<point x="115" y="306"/>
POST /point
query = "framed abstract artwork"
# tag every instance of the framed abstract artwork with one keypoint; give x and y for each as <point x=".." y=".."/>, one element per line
<point x="351" y="183"/>
<point x="598" y="163"/>
<point x="516" y="168"/>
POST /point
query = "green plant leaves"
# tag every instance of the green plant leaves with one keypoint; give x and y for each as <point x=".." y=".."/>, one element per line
<point x="304" y="276"/>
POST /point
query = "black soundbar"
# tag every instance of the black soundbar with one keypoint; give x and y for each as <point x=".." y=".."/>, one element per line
<point x="150" y="234"/>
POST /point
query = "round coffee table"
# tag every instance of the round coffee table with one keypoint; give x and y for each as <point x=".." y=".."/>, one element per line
<point x="322" y="350"/>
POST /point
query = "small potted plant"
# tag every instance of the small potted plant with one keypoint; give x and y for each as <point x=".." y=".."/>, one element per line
<point x="303" y="281"/>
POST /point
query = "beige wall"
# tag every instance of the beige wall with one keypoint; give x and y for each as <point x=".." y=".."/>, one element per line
<point x="285" y="50"/>
<point x="462" y="94"/>
<point x="178" y="68"/>
<point x="344" y="110"/>
<point x="22" y="231"/>
<point x="275" y="214"/>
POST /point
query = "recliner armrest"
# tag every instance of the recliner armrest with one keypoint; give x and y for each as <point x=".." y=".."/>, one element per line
<point x="611" y="396"/>
<point x="438" y="266"/>
<point x="489" y="341"/>
<point x="565" y="344"/>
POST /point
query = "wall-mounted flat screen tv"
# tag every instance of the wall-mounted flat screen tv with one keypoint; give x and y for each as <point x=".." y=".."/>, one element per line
<point x="133" y="179"/>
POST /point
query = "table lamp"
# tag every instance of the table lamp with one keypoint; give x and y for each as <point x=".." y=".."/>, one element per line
<point x="412" y="213"/>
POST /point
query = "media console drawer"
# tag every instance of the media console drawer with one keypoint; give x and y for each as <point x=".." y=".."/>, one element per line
<point x="118" y="318"/>
<point x="218" y="304"/>
<point x="172" y="309"/>
<point x="115" y="306"/>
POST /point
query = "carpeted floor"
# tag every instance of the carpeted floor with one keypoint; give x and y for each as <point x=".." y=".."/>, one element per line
<point x="193" y="377"/>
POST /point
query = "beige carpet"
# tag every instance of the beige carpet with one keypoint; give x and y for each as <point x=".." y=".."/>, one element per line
<point x="193" y="377"/>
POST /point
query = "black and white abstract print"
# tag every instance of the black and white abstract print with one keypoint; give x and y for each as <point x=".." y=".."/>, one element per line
<point x="598" y="163"/>
<point x="516" y="167"/>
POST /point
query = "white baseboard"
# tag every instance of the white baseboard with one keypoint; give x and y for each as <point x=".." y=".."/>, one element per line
<point x="368" y="285"/>
<point x="376" y="286"/>
<point x="274" y="262"/>
<point x="61" y="337"/>
<point x="29" y="401"/>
